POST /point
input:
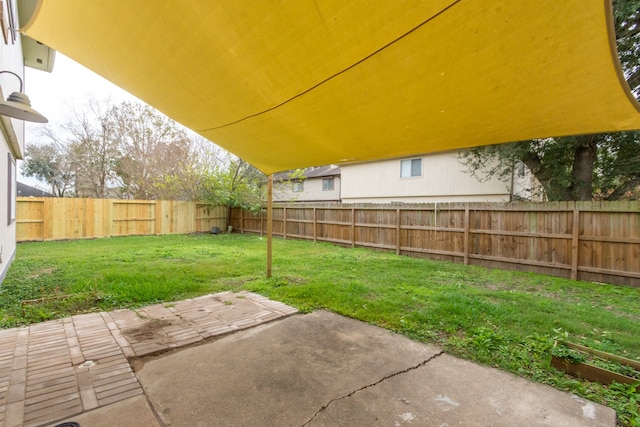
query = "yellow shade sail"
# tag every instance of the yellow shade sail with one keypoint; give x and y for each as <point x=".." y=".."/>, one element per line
<point x="288" y="84"/>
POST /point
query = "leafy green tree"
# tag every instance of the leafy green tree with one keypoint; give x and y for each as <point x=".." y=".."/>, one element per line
<point x="87" y="141"/>
<point x="235" y="183"/>
<point x="126" y="150"/>
<point x="48" y="164"/>
<point x="193" y="180"/>
<point x="583" y="167"/>
<point x="151" y="148"/>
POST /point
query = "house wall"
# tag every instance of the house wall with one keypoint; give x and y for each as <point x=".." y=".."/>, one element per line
<point x="282" y="191"/>
<point x="11" y="144"/>
<point x="443" y="180"/>
<point x="7" y="205"/>
<point x="526" y="186"/>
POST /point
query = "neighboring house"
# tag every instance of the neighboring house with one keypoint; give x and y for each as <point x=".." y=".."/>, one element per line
<point x="25" y="190"/>
<point x="433" y="178"/>
<point x="320" y="184"/>
<point x="15" y="52"/>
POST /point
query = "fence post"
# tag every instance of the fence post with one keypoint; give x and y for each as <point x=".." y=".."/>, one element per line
<point x="466" y="236"/>
<point x="284" y="223"/>
<point x="46" y="217"/>
<point x="241" y="220"/>
<point x="158" y="217"/>
<point x="353" y="227"/>
<point x="575" y="244"/>
<point x="261" y="224"/>
<point x="398" y="231"/>
<point x="269" y="223"/>
<point x="110" y="219"/>
<point x="315" y="226"/>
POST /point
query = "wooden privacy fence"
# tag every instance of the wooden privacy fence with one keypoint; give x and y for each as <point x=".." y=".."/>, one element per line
<point x="66" y="218"/>
<point x="585" y="240"/>
<point x="592" y="241"/>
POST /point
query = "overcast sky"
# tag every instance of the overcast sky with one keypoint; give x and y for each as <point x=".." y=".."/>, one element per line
<point x="53" y="94"/>
<point x="68" y="83"/>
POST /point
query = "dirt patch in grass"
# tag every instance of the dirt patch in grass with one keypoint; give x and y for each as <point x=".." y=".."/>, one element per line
<point x="294" y="280"/>
<point x="238" y="282"/>
<point x="41" y="272"/>
<point x="178" y="259"/>
<point x="615" y="311"/>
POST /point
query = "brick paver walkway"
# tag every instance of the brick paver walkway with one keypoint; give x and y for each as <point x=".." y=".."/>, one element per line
<point x="56" y="369"/>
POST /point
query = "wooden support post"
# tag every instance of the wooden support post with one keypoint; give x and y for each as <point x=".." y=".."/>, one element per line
<point x="398" y="231"/>
<point x="46" y="219"/>
<point x="353" y="227"/>
<point x="85" y="217"/>
<point x="269" y="222"/>
<point x="261" y="222"/>
<point x="466" y="236"/>
<point x="575" y="244"/>
<point x="158" y="219"/>
<point x="241" y="220"/>
<point x="111" y="213"/>
<point x="315" y="226"/>
<point x="284" y="223"/>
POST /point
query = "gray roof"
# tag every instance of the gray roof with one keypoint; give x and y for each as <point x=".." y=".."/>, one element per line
<point x="25" y="190"/>
<point x="316" y="172"/>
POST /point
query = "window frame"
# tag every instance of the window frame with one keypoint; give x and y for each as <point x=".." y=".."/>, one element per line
<point x="330" y="184"/>
<point x="297" y="186"/>
<point x="411" y="168"/>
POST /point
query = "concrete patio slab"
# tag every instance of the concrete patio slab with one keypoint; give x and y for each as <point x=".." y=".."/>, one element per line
<point x="449" y="391"/>
<point x="58" y="369"/>
<point x="134" y="411"/>
<point x="322" y="369"/>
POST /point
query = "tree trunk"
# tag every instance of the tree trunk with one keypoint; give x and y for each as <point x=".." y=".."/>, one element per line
<point x="583" y="164"/>
<point x="552" y="187"/>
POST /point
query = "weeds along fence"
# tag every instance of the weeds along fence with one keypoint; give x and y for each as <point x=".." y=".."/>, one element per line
<point x="593" y="241"/>
<point x="40" y="219"/>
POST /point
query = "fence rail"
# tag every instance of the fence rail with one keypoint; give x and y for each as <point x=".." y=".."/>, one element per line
<point x="594" y="241"/>
<point x="67" y="218"/>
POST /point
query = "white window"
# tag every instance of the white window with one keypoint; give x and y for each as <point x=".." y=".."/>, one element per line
<point x="410" y="168"/>
<point x="327" y="184"/>
<point x="297" y="186"/>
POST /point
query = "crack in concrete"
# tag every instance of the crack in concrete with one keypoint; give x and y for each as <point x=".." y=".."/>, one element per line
<point x="404" y="371"/>
<point x="156" y="412"/>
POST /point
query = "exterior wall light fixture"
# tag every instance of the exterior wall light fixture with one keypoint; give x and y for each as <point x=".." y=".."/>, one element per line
<point x="18" y="105"/>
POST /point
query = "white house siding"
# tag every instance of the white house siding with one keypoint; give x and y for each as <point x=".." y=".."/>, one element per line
<point x="443" y="180"/>
<point x="11" y="143"/>
<point x="7" y="204"/>
<point x="526" y="186"/>
<point x="312" y="192"/>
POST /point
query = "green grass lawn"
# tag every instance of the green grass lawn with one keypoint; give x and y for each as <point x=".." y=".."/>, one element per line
<point x="506" y="319"/>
